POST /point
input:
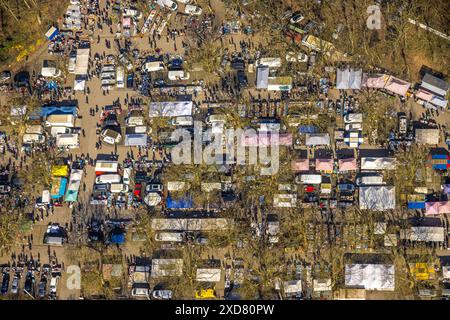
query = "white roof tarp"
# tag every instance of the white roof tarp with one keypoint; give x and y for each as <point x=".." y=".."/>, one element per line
<point x="189" y="224"/>
<point x="383" y="163"/>
<point x="377" y="198"/>
<point x="292" y="286"/>
<point x="348" y="79"/>
<point x="63" y="140"/>
<point x="424" y="233"/>
<point x="208" y="275"/>
<point x="317" y="139"/>
<point x="82" y="61"/>
<point x="262" y="77"/>
<point x="134" y="140"/>
<point x="427" y="136"/>
<point x="370" y="276"/>
<point x="166" y="267"/>
<point x="170" y="109"/>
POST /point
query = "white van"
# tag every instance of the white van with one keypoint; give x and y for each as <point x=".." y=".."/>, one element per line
<point x="53" y="285"/>
<point x="119" y="187"/>
<point x="127" y="175"/>
<point x="169" y="236"/>
<point x="120" y="77"/>
<point x="108" y="178"/>
<point x="183" y="121"/>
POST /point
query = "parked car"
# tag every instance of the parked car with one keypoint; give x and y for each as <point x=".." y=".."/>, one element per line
<point x="296" y="18"/>
<point x="5" y="283"/>
<point x="193" y="10"/>
<point x="5" y="76"/>
<point x="29" y="283"/>
<point x="15" y="285"/>
<point x="42" y="288"/>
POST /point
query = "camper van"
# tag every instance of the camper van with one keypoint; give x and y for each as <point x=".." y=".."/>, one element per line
<point x="169" y="236"/>
<point x="108" y="178"/>
<point x="183" y="121"/>
<point x="120" y="77"/>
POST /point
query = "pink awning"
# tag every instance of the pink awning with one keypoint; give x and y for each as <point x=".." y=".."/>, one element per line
<point x="126" y="22"/>
<point x="347" y="164"/>
<point x="437" y="207"/>
<point x="324" y="165"/>
<point x="374" y="82"/>
<point x="424" y="95"/>
<point x="284" y="139"/>
<point x="431" y="208"/>
<point x="300" y="165"/>
<point x="444" y="207"/>
<point x="397" y="86"/>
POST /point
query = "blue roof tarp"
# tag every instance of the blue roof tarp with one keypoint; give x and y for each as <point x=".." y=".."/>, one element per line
<point x="183" y="203"/>
<point x="440" y="166"/>
<point x="416" y="205"/>
<point x="308" y="129"/>
<point x="62" y="189"/>
<point x="439" y="156"/>
<point x="49" y="110"/>
<point x="118" y="238"/>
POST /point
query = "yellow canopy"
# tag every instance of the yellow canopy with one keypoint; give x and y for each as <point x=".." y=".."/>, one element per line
<point x="205" y="294"/>
<point x="60" y="171"/>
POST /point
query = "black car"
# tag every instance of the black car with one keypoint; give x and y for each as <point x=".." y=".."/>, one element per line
<point x="130" y="80"/>
<point x="29" y="283"/>
<point x="242" y="78"/>
<point x="5" y="283"/>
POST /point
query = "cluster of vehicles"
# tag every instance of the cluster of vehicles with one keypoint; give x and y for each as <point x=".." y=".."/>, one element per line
<point x="40" y="281"/>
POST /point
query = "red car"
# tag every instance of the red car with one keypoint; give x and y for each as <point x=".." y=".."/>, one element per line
<point x="309" y="189"/>
<point x="137" y="191"/>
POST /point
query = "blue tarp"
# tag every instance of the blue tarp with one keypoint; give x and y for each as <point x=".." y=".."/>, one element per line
<point x="439" y="156"/>
<point x="440" y="166"/>
<point x="49" y="110"/>
<point x="182" y="203"/>
<point x="416" y="205"/>
<point x="62" y="189"/>
<point x="308" y="129"/>
<point x="118" y="238"/>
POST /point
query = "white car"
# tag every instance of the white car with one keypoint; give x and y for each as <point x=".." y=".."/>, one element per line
<point x="184" y="1"/>
<point x="353" y="126"/>
<point x="296" y="18"/>
<point x="168" y="4"/>
<point x="193" y="10"/>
